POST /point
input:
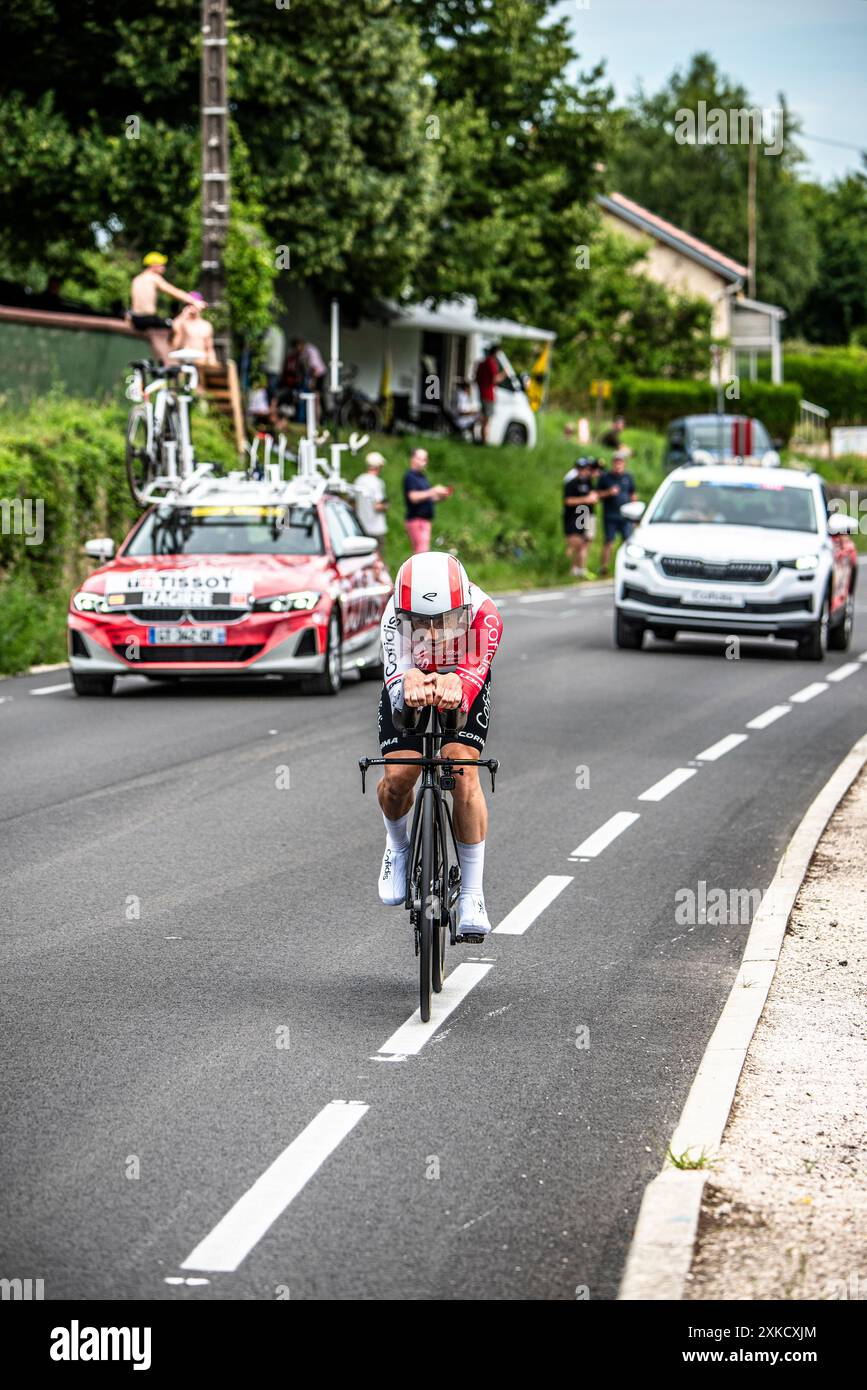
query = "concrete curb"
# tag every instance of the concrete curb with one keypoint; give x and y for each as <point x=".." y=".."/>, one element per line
<point x="662" y="1246"/>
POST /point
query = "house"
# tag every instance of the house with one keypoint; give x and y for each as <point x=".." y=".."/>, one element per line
<point x="686" y="265"/>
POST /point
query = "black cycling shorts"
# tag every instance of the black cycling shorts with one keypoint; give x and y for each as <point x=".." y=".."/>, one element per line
<point x="474" y="733"/>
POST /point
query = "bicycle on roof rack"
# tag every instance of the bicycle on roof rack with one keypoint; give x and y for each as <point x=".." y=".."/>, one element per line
<point x="159" y="447"/>
<point x="433" y="884"/>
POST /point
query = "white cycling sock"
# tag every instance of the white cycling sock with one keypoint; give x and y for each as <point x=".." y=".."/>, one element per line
<point x="472" y="860"/>
<point x="398" y="835"/>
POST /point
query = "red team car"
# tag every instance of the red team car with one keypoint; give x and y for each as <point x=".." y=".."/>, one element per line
<point x="257" y="579"/>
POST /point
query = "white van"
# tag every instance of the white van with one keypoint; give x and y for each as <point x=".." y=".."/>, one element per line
<point x="513" y="420"/>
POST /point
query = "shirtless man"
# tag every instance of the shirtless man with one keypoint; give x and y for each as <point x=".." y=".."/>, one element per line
<point x="193" y="331"/>
<point x="143" y="303"/>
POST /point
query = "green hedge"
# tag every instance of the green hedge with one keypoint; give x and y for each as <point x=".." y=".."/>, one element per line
<point x="834" y="378"/>
<point x="654" y="404"/>
<point x="62" y="473"/>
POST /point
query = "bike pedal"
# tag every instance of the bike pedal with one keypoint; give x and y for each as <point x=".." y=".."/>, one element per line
<point x="471" y="938"/>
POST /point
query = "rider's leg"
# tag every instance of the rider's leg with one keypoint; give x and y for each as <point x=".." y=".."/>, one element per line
<point x="471" y="828"/>
<point x="160" y="344"/>
<point x="395" y="791"/>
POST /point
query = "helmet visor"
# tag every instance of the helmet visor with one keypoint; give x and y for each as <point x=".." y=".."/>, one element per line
<point x="439" y="640"/>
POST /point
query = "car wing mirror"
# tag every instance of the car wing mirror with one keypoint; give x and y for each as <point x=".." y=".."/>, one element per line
<point x="841" y="524"/>
<point x="633" y="511"/>
<point x="352" y="546"/>
<point x="101" y="549"/>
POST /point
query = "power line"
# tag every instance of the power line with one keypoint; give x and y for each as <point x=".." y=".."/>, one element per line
<point x="841" y="144"/>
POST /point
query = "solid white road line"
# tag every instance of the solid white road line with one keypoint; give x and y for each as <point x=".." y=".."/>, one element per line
<point x="597" y="842"/>
<point x="809" y="692"/>
<point x="529" y="908"/>
<point x="411" y="1036"/>
<point x="769" y="716"/>
<point x="233" y="1238"/>
<point x="863" y="656"/>
<point x="843" y="671"/>
<point x="668" y="784"/>
<point x="50" y="689"/>
<point x="540" y="598"/>
<point x="661" y="1252"/>
<point x="716" y="750"/>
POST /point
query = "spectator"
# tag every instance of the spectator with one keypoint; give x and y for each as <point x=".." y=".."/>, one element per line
<point x="612" y="438"/>
<point x="420" y="498"/>
<point x="191" y="331"/>
<point x="488" y="374"/>
<point x="579" y="520"/>
<point x="466" y="411"/>
<point x="274" y="352"/>
<point x="311" y="370"/>
<point x="143" y="303"/>
<point x="371" y="503"/>
<point x="616" y="487"/>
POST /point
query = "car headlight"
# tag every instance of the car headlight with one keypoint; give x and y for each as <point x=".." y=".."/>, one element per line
<point x="84" y="602"/>
<point x="633" y="551"/>
<point x="803" y="562"/>
<point x="303" y="601"/>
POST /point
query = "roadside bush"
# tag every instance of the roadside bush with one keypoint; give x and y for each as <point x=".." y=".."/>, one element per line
<point x="835" y="378"/>
<point x="654" y="403"/>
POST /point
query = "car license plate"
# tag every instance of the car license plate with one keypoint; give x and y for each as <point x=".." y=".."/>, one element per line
<point x="717" y="598"/>
<point x="186" y="636"/>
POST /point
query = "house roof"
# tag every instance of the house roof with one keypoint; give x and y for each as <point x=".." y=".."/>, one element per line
<point x="461" y="316"/>
<point x="666" y="232"/>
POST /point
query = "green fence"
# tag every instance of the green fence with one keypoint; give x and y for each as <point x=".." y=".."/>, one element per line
<point x="80" y="362"/>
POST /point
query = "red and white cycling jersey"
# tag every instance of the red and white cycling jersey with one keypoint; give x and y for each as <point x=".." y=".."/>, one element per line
<point x="470" y="659"/>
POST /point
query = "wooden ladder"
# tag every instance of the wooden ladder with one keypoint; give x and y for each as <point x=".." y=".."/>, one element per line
<point x="220" y="385"/>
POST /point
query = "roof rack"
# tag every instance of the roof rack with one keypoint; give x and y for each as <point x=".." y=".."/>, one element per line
<point x="264" y="478"/>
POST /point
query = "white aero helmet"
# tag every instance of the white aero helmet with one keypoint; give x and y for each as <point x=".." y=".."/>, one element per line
<point x="433" y="585"/>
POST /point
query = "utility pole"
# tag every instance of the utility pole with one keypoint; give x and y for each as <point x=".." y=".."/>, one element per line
<point x="751" y="218"/>
<point x="214" y="106"/>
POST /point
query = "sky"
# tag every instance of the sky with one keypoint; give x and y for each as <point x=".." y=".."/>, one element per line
<point x="814" y="51"/>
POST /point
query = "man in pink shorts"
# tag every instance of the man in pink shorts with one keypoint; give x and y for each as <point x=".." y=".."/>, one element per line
<point x="420" y="498"/>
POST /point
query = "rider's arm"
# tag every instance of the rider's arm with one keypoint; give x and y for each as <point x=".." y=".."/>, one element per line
<point x="396" y="655"/>
<point x="485" y="632"/>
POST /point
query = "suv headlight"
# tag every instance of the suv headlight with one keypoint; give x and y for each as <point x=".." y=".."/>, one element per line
<point x="303" y="601"/>
<point x="633" y="551"/>
<point x="803" y="562"/>
<point x="83" y="602"/>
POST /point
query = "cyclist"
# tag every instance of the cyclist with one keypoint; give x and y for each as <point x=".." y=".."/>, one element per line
<point x="143" y="303"/>
<point x="439" y="636"/>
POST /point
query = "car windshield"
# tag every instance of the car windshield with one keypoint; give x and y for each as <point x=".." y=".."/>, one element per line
<point x="700" y="501"/>
<point x="718" y="437"/>
<point x="222" y="530"/>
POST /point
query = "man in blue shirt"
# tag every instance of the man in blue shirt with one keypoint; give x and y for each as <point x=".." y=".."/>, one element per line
<point x="616" y="488"/>
<point x="420" y="498"/>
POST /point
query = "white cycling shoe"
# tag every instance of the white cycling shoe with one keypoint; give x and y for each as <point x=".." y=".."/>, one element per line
<point x="392" y="876"/>
<point x="473" y="916"/>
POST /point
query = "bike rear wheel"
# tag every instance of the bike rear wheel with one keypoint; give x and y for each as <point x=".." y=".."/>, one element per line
<point x="429" y="905"/>
<point x="140" y="470"/>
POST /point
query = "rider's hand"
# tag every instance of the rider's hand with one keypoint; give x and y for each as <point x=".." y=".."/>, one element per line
<point x="449" y="692"/>
<point x="418" y="689"/>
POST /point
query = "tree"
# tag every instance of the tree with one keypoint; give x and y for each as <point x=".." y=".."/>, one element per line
<point x="702" y="187"/>
<point x="835" y="309"/>
<point x="99" y="137"/>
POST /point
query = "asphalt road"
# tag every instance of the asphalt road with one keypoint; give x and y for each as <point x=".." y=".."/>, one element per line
<point x="197" y="968"/>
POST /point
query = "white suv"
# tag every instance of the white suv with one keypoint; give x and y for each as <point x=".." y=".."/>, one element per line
<point x="738" y="550"/>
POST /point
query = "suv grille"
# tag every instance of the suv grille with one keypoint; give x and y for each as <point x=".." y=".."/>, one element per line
<point x="729" y="572"/>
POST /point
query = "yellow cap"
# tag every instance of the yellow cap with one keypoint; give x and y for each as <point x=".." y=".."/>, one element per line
<point x="155" y="258"/>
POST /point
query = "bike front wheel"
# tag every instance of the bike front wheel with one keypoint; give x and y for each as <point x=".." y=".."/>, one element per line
<point x="430" y="902"/>
<point x="140" y="470"/>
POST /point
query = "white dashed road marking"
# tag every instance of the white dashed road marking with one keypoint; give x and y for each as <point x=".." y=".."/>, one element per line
<point x="233" y="1238"/>
<point x="411" y="1036"/>
<point x="601" y="838"/>
<point x="675" y="779"/>
<point x="843" y="671"/>
<point x="716" y="750"/>
<point x="529" y="908"/>
<point x="809" y="692"/>
<point x="50" y="689"/>
<point x="540" y="598"/>
<point x="769" y="716"/>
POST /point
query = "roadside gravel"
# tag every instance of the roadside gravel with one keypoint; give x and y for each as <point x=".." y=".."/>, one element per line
<point x="785" y="1210"/>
